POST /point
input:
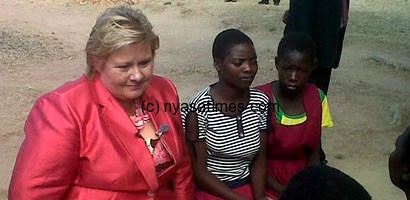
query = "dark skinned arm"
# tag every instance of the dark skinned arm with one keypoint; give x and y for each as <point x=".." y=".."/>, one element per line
<point x="258" y="169"/>
<point x="275" y="185"/>
<point x="202" y="177"/>
<point x="314" y="156"/>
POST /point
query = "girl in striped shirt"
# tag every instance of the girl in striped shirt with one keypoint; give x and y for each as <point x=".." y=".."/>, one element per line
<point x="226" y="125"/>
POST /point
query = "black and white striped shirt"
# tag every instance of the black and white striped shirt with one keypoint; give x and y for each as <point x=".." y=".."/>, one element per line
<point x="232" y="141"/>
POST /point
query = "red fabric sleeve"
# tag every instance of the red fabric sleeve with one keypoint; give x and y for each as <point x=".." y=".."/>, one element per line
<point x="48" y="157"/>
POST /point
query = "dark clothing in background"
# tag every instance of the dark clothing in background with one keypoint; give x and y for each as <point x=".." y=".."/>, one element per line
<point x="325" y="21"/>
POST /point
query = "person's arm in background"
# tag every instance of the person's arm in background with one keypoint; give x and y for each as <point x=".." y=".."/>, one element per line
<point x="48" y="158"/>
<point x="198" y="150"/>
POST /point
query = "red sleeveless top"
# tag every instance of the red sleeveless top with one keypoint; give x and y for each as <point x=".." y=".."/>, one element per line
<point x="290" y="145"/>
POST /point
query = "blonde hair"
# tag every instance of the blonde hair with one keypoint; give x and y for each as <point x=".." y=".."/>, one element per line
<point x="118" y="27"/>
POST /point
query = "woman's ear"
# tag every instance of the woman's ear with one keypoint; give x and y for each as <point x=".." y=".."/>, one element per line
<point x="97" y="62"/>
<point x="89" y="60"/>
<point x="217" y="64"/>
<point x="157" y="42"/>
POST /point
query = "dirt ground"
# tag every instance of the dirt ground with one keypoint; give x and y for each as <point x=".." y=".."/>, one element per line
<point x="42" y="41"/>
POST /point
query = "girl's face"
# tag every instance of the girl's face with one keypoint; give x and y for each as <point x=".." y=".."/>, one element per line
<point x="127" y="71"/>
<point x="239" y="67"/>
<point x="293" y="68"/>
<point x="396" y="166"/>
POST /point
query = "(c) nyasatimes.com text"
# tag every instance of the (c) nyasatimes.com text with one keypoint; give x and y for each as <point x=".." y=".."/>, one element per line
<point x="173" y="108"/>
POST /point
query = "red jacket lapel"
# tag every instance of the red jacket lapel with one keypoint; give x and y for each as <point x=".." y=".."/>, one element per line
<point x="124" y="130"/>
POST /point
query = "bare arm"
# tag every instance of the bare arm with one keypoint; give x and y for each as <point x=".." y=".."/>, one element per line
<point x="258" y="169"/>
<point x="314" y="157"/>
<point x="202" y="177"/>
<point x="275" y="185"/>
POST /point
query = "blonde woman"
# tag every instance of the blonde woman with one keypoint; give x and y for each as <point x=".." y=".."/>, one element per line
<point x="94" y="138"/>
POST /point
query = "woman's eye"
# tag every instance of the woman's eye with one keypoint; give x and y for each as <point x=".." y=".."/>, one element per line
<point x="237" y="63"/>
<point x="123" y="67"/>
<point x="145" y="64"/>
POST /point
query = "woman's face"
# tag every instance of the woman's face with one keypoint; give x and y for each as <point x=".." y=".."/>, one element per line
<point x="127" y="71"/>
<point x="396" y="166"/>
<point x="239" y="67"/>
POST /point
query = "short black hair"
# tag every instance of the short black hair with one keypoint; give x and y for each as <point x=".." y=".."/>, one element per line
<point x="300" y="42"/>
<point x="225" y="40"/>
<point x="323" y="183"/>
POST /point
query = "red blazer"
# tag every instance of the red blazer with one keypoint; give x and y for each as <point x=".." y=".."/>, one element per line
<point x="81" y="144"/>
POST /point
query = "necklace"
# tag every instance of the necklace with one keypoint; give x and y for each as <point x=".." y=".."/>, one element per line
<point x="140" y="118"/>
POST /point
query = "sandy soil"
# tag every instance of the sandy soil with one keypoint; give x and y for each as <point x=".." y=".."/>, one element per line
<point x="42" y="45"/>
